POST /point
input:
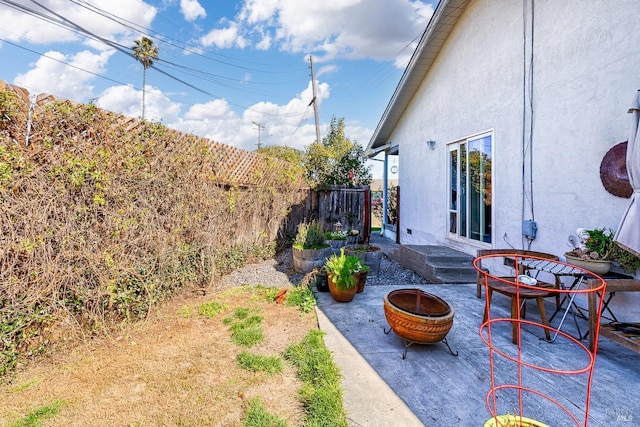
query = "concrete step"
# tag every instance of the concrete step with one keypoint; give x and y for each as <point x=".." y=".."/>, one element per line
<point x="437" y="264"/>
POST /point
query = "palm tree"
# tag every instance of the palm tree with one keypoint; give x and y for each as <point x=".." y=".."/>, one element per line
<point x="145" y="52"/>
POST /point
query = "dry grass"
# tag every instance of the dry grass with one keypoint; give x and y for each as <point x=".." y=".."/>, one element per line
<point x="176" y="369"/>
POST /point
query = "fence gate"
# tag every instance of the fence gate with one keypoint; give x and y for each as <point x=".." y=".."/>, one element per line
<point x="351" y="206"/>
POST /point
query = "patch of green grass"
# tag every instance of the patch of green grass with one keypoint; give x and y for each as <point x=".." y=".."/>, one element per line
<point x="301" y="297"/>
<point x="246" y="327"/>
<point x="264" y="293"/>
<point x="185" y="311"/>
<point x="23" y="386"/>
<point x="211" y="309"/>
<point x="257" y="363"/>
<point x="257" y="416"/>
<point x="321" y="394"/>
<point x="36" y="417"/>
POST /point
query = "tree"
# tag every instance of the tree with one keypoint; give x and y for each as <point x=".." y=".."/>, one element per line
<point x="288" y="154"/>
<point x="282" y="152"/>
<point x="145" y="52"/>
<point x="336" y="161"/>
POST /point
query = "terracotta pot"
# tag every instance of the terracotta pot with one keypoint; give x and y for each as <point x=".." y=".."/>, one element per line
<point x="361" y="281"/>
<point x="341" y="295"/>
<point x="596" y="266"/>
<point x="418" y="316"/>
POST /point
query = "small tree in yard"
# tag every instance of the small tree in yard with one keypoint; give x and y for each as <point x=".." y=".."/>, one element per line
<point x="336" y="161"/>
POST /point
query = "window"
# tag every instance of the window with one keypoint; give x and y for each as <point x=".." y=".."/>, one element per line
<point x="471" y="188"/>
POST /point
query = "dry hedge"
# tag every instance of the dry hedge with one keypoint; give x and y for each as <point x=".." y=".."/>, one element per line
<point x="102" y="216"/>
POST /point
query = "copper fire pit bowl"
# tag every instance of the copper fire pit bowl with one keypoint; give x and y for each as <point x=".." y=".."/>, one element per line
<point x="418" y="317"/>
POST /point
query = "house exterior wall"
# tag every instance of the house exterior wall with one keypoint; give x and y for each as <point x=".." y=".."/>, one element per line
<point x="583" y="78"/>
<point x="585" y="74"/>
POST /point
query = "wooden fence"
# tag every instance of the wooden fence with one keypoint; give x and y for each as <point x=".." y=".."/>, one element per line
<point x="350" y="206"/>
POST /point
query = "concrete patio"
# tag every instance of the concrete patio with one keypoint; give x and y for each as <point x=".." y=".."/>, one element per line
<point x="445" y="390"/>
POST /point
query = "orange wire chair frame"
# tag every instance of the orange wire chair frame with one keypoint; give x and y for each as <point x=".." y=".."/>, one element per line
<point x="495" y="351"/>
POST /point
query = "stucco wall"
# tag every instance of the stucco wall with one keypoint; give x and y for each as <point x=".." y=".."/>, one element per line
<point x="585" y="74"/>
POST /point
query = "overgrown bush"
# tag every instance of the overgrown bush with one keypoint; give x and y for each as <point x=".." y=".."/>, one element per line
<point x="103" y="216"/>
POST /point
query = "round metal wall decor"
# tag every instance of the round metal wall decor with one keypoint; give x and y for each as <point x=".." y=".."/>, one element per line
<point x="613" y="171"/>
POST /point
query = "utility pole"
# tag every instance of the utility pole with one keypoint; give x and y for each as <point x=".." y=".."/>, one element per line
<point x="260" y="127"/>
<point x="314" y="101"/>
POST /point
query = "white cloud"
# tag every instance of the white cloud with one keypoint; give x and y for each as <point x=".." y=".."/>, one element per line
<point x="16" y="25"/>
<point x="351" y="29"/>
<point x="128" y="101"/>
<point x="216" y="109"/>
<point x="224" y="38"/>
<point x="50" y="74"/>
<point x="192" y="10"/>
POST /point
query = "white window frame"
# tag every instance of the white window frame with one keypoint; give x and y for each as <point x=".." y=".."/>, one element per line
<point x="455" y="208"/>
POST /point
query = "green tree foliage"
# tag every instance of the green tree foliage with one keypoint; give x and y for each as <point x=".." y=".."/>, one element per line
<point x="145" y="52"/>
<point x="336" y="161"/>
<point x="285" y="153"/>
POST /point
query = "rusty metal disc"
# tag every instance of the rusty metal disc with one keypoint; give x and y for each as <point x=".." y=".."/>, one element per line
<point x="613" y="171"/>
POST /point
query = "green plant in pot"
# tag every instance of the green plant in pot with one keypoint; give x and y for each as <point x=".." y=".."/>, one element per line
<point x="341" y="270"/>
<point x="309" y="247"/>
<point x="336" y="239"/>
<point x="597" y="250"/>
<point x="361" y="272"/>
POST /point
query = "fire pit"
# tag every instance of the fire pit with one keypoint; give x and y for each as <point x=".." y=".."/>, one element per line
<point x="418" y="317"/>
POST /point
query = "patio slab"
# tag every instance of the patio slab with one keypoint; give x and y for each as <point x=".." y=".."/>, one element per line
<point x="445" y="390"/>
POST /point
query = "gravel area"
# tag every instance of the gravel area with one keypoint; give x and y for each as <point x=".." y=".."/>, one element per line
<point x="279" y="272"/>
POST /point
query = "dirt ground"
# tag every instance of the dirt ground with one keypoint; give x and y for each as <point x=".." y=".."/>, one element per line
<point x="175" y="369"/>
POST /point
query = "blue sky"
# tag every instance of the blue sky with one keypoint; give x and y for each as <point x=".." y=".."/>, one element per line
<point x="224" y="66"/>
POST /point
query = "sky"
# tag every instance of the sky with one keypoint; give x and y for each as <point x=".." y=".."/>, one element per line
<point x="236" y="72"/>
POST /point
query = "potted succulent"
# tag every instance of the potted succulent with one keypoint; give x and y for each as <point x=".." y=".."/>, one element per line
<point x="597" y="251"/>
<point x="341" y="270"/>
<point x="309" y="247"/>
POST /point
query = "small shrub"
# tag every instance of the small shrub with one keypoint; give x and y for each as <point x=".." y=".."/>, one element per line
<point x="301" y="297"/>
<point x="309" y="236"/>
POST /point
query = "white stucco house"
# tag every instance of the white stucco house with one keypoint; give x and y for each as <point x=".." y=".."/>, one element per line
<point x="524" y="98"/>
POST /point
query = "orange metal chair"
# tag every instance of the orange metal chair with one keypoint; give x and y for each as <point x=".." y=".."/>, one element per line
<point x="505" y="285"/>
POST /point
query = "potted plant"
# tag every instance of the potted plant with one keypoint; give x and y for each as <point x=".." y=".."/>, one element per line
<point x="361" y="272"/>
<point x="309" y="247"/>
<point x="336" y="239"/>
<point x="352" y="236"/>
<point x="318" y="278"/>
<point x="369" y="254"/>
<point x="341" y="270"/>
<point x="597" y="250"/>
